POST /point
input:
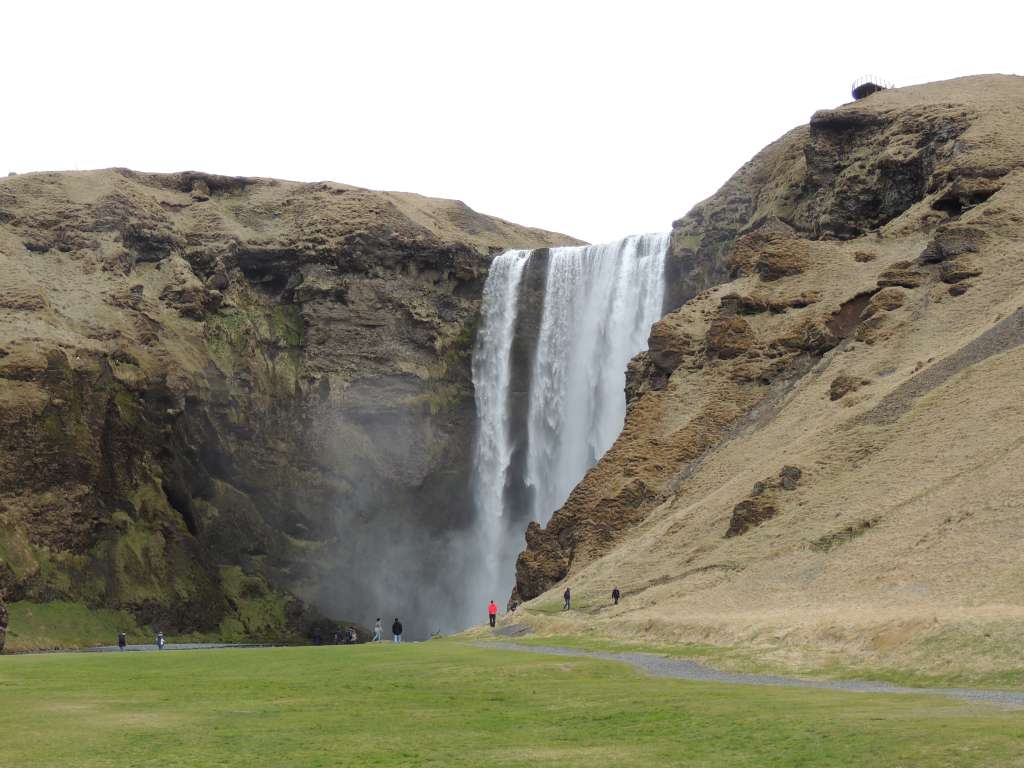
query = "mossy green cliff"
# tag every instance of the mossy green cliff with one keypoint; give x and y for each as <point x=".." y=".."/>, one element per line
<point x="211" y="388"/>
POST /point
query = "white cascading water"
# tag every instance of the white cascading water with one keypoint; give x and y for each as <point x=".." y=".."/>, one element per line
<point x="492" y="370"/>
<point x="599" y="304"/>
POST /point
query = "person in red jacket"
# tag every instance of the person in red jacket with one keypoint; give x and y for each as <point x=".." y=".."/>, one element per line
<point x="492" y="612"/>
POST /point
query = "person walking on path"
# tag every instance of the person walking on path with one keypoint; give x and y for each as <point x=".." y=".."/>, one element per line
<point x="122" y="640"/>
<point x="378" y="631"/>
<point x="567" y="596"/>
<point x="616" y="595"/>
<point x="396" y="630"/>
<point x="492" y="612"/>
<point x="160" y="641"/>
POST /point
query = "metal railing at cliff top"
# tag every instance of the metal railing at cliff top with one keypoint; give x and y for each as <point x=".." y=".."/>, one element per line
<point x="879" y="83"/>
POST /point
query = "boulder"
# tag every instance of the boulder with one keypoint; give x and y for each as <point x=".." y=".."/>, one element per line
<point x="763" y="503"/>
<point x="958" y="269"/>
<point x="843" y="385"/>
<point x="902" y="274"/>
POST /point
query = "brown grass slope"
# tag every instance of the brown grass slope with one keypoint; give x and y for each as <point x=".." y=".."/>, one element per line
<point x="825" y="455"/>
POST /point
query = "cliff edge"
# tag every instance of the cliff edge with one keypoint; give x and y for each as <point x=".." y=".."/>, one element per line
<point x="222" y="399"/>
<point x="824" y="442"/>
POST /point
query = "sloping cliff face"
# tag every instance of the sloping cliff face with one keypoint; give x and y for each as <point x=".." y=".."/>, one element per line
<point x="827" y="436"/>
<point x="219" y="393"/>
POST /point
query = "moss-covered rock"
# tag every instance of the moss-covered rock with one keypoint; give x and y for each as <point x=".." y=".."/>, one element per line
<point x="210" y="388"/>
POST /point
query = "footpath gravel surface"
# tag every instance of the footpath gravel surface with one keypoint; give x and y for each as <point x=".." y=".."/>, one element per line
<point x="684" y="669"/>
<point x="146" y="647"/>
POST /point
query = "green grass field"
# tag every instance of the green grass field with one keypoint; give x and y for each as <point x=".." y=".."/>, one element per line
<point x="446" y="704"/>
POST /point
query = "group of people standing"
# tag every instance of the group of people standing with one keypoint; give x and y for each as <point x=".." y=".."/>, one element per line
<point x="492" y="609"/>
<point x="350" y="635"/>
<point x="567" y="598"/>
<point x="122" y="641"/>
<point x="396" y="631"/>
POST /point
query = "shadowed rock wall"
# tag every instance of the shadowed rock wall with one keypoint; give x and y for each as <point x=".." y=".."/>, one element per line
<point x="223" y="400"/>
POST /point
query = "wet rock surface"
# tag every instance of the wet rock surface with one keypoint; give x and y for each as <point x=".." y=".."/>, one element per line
<point x="225" y="400"/>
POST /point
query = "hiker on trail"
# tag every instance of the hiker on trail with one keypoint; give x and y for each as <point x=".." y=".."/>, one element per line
<point x="567" y="597"/>
<point x="396" y="630"/>
<point x="512" y="606"/>
<point x="160" y="641"/>
<point x="378" y="630"/>
<point x="492" y="612"/>
<point x="122" y="640"/>
<point x="616" y="595"/>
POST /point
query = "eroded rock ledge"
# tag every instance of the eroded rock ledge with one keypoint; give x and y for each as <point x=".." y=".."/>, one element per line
<point x="822" y="241"/>
<point x="219" y="396"/>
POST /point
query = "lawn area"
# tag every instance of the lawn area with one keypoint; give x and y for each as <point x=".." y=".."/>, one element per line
<point x="442" y="703"/>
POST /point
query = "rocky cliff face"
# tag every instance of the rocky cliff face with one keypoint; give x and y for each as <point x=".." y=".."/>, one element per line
<point x="804" y="429"/>
<point x="217" y="394"/>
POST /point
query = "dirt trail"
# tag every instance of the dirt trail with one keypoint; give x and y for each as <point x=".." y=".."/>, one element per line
<point x="684" y="669"/>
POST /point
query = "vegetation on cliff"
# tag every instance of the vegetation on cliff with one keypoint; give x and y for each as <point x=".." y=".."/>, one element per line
<point x="215" y="391"/>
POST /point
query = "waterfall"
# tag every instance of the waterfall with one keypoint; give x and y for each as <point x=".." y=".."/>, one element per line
<point x="599" y="303"/>
<point x="491" y="378"/>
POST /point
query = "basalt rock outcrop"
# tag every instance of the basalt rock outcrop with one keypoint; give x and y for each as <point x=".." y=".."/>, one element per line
<point x="817" y="326"/>
<point x="223" y="400"/>
<point x="764" y="501"/>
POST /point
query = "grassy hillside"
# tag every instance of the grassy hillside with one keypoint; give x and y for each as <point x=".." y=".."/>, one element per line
<point x="442" y="703"/>
<point x="821" y="459"/>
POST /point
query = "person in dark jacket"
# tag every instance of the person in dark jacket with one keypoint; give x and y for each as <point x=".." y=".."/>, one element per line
<point x="616" y="595"/>
<point x="567" y="596"/>
<point x="122" y="640"/>
<point x="396" y="630"/>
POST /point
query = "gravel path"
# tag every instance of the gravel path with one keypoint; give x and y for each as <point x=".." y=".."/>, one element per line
<point x="146" y="647"/>
<point x="684" y="669"/>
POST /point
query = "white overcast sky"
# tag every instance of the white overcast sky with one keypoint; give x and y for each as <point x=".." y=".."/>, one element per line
<point x="594" y="119"/>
